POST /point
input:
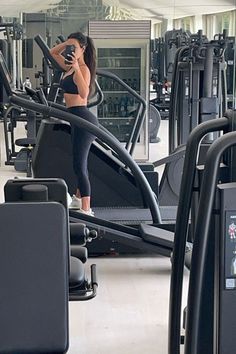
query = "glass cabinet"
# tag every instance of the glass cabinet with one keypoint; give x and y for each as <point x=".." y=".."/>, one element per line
<point x="118" y="109"/>
<point x="123" y="49"/>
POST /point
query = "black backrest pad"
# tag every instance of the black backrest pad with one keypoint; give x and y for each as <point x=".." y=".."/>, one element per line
<point x="57" y="189"/>
<point x="33" y="278"/>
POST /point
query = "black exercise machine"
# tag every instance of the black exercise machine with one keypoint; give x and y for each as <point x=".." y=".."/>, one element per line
<point x="209" y="313"/>
<point x="103" y="162"/>
<point x="47" y="190"/>
<point x="198" y="94"/>
<point x="230" y="56"/>
<point x="213" y="263"/>
<point x="34" y="278"/>
<point x="140" y="236"/>
<point x="12" y="115"/>
<point x="21" y="160"/>
<point x="107" y="191"/>
<point x="163" y="50"/>
<point x="38" y="275"/>
<point x="146" y="237"/>
<point x="198" y="91"/>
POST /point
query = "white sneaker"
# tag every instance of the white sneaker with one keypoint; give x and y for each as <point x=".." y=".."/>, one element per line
<point x="76" y="203"/>
<point x="87" y="212"/>
<point x="69" y="200"/>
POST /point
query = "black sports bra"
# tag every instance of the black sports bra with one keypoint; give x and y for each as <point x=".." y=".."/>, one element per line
<point x="68" y="85"/>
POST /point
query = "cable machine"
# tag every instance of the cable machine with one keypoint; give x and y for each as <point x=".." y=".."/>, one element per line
<point x="210" y="314"/>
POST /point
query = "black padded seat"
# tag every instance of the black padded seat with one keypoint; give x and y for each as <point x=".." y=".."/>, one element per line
<point x="33" y="278"/>
<point x="79" y="252"/>
<point x="53" y="191"/>
<point x="26" y="142"/>
<point x="34" y="192"/>
<point x="27" y="145"/>
<point x="77" y="273"/>
<point x="78" y="233"/>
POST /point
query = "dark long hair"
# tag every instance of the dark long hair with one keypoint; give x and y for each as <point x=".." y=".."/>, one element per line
<point x="89" y="56"/>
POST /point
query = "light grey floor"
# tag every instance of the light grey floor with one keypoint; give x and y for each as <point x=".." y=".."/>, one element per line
<point x="130" y="313"/>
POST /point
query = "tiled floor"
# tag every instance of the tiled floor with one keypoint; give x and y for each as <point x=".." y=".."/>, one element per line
<point x="130" y="313"/>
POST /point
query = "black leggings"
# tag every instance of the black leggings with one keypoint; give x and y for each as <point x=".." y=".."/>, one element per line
<point x="81" y="143"/>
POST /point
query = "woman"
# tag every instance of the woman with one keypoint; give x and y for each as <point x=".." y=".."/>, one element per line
<point x="78" y="83"/>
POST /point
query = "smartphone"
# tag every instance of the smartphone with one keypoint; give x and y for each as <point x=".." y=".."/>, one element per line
<point x="68" y="51"/>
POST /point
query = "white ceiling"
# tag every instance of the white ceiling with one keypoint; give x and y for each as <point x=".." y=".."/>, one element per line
<point x="142" y="9"/>
<point x="158" y="9"/>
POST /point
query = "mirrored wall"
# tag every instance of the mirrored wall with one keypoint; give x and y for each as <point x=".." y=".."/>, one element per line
<point x="69" y="16"/>
<point x="171" y="28"/>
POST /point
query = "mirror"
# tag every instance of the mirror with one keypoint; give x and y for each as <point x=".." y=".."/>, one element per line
<point x="213" y="18"/>
<point x="51" y="19"/>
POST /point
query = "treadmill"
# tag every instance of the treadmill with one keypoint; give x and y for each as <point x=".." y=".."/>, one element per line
<point x="145" y="237"/>
<point x="115" y="194"/>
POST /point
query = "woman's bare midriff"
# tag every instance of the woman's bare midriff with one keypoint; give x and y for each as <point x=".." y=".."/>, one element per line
<point x="72" y="100"/>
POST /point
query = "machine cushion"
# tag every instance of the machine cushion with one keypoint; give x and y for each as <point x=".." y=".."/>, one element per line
<point x="77" y="273"/>
<point x="25" y="142"/>
<point x="79" y="252"/>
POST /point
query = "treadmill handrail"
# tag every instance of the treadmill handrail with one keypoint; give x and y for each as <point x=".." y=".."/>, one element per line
<point x="100" y="96"/>
<point x="133" y="138"/>
<point x="147" y="192"/>
<point x="46" y="52"/>
<point x="65" y="109"/>
<point x="174" y="99"/>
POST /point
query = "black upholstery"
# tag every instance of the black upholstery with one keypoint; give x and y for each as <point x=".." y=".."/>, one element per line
<point x="33" y="278"/>
<point x="26" y="142"/>
<point x="34" y="193"/>
<point x="77" y="273"/>
<point x="78" y="233"/>
<point x="55" y="191"/>
<point x="79" y="252"/>
<point x="28" y="145"/>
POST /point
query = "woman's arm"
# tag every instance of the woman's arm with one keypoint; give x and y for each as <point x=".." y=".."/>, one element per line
<point x="81" y="76"/>
<point x="56" y="52"/>
<point x="82" y="80"/>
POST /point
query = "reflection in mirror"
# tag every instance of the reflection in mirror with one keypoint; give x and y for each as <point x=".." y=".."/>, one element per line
<point x="52" y="20"/>
<point x="70" y="16"/>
